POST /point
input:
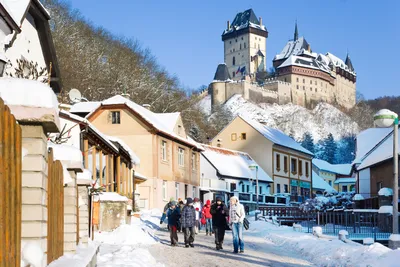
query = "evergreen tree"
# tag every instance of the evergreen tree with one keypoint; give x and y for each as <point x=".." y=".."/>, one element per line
<point x="329" y="149"/>
<point x="345" y="150"/>
<point x="194" y="132"/>
<point x="308" y="142"/>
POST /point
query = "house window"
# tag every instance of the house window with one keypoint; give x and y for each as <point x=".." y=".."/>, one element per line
<point x="278" y="188"/>
<point x="243" y="188"/>
<point x="164" y="150"/>
<point x="194" y="192"/>
<point x="330" y="182"/>
<point x="285" y="163"/>
<point x="233" y="61"/>
<point x="179" y="129"/>
<point x="234" y="137"/>
<point x="344" y="188"/>
<point x="260" y="190"/>
<point x="186" y="191"/>
<point x="248" y="188"/>
<point x="243" y="135"/>
<point x="164" y="190"/>
<point x="116" y="117"/>
<point x="181" y="157"/>
<point x="278" y="162"/>
<point x="193" y="161"/>
<point x="286" y="188"/>
<point x="307" y="170"/>
<point x="300" y="167"/>
<point x="293" y="166"/>
<point x="176" y="190"/>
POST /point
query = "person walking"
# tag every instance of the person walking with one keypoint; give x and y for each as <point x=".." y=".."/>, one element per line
<point x="219" y="212"/>
<point x="208" y="217"/>
<point x="181" y="205"/>
<point x="236" y="217"/>
<point x="164" y="215"/>
<point x="197" y="206"/>
<point x="173" y="215"/>
<point x="188" y="222"/>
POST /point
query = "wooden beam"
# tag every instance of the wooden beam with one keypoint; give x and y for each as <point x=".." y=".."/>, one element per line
<point x="130" y="183"/>
<point x="118" y="173"/>
<point x="107" y="172"/>
<point x="93" y="163"/>
<point x="101" y="168"/>
<point x="86" y="153"/>
<point x="112" y="173"/>
<point x="127" y="181"/>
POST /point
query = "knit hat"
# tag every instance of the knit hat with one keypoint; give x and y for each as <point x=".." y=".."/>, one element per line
<point x="173" y="203"/>
<point x="189" y="200"/>
<point x="218" y="199"/>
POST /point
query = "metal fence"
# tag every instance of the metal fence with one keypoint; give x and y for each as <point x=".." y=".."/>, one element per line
<point x="359" y="224"/>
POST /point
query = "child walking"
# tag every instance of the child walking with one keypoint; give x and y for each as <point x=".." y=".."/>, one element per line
<point x="173" y="215"/>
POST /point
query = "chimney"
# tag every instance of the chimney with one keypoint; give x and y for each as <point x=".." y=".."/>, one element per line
<point x="309" y="48"/>
<point x="228" y="25"/>
<point x="146" y="106"/>
<point x="260" y="21"/>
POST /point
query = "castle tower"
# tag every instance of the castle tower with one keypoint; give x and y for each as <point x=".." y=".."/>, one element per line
<point x="245" y="42"/>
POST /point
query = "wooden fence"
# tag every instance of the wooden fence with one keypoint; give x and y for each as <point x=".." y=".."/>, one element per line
<point x="55" y="209"/>
<point x="10" y="188"/>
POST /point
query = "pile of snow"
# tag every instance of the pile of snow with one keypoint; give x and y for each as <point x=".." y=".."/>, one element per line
<point x="32" y="254"/>
<point x="136" y="233"/>
<point x="128" y="256"/>
<point x="327" y="252"/>
<point x="82" y="257"/>
<point x="289" y="118"/>
<point x="385" y="192"/>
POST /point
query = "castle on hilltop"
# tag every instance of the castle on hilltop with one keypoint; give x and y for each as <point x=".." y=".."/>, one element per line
<point x="301" y="77"/>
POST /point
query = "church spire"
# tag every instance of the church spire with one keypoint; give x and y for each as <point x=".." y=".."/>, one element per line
<point x="296" y="33"/>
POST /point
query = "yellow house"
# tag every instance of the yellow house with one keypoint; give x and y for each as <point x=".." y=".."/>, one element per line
<point x="339" y="176"/>
<point x="283" y="159"/>
<point x="169" y="160"/>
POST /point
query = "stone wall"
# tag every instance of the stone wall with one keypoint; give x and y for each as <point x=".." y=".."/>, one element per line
<point x="83" y="203"/>
<point x="70" y="215"/>
<point x="34" y="187"/>
<point x="112" y="215"/>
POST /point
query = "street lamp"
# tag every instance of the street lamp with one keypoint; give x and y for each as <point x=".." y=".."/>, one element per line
<point x="385" y="118"/>
<point x="255" y="167"/>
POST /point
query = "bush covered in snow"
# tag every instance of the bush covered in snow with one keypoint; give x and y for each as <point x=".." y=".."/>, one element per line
<point x="330" y="201"/>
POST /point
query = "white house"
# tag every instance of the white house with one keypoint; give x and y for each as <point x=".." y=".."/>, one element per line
<point x="226" y="172"/>
<point x="339" y="176"/>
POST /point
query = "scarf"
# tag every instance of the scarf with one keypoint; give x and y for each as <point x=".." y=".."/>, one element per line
<point x="232" y="213"/>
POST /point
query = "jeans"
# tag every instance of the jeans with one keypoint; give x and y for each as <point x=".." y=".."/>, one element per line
<point x="189" y="235"/>
<point x="209" y="226"/>
<point x="219" y="235"/>
<point x="237" y="233"/>
<point x="173" y="234"/>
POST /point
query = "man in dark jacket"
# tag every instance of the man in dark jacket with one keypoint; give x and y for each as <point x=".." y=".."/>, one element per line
<point x="173" y="215"/>
<point x="219" y="212"/>
<point x="188" y="222"/>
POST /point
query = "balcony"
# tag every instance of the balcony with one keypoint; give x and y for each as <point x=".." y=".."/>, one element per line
<point x="214" y="184"/>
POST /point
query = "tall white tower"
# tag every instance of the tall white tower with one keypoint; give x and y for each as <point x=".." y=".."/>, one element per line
<point x="245" y="45"/>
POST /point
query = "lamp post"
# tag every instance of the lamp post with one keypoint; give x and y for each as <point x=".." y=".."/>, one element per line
<point x="255" y="167"/>
<point x="386" y="118"/>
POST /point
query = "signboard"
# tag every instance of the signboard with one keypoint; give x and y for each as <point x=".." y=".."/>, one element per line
<point x="293" y="182"/>
<point x="305" y="184"/>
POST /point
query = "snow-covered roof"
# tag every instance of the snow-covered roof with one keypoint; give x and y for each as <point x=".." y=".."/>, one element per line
<point x="305" y="62"/>
<point x="111" y="196"/>
<point x="367" y="140"/>
<point x="337" y="62"/>
<point x="134" y="158"/>
<point x="319" y="183"/>
<point x="276" y="136"/>
<point x="70" y="156"/>
<point x="385" y="192"/>
<point x="16" y="9"/>
<point x="150" y="117"/>
<point x="244" y="20"/>
<point x="30" y="100"/>
<point x="342" y="169"/>
<point x="292" y="48"/>
<point x="140" y="176"/>
<point x="345" y="181"/>
<point x="233" y="163"/>
<point x="381" y="152"/>
<point x="84" y="107"/>
<point x="169" y="119"/>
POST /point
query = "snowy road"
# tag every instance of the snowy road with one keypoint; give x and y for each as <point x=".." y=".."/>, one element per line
<point x="258" y="252"/>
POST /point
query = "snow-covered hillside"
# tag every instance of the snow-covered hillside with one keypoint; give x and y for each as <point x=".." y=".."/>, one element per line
<point x="293" y="119"/>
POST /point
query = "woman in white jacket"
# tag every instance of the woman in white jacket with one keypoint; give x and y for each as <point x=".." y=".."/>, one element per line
<point x="236" y="217"/>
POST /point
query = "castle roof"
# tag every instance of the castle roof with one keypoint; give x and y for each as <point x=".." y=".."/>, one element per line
<point x="305" y="62"/>
<point x="222" y="73"/>
<point x="348" y="63"/>
<point x="292" y="47"/>
<point x="246" y="20"/>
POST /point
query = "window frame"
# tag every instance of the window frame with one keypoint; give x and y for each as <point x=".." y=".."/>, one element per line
<point x="243" y="136"/>
<point x="164" y="156"/>
<point x="181" y="157"/>
<point x="165" y="189"/>
<point x="278" y="188"/>
<point x="194" y="167"/>
<point x="233" y="136"/>
<point x="300" y="167"/>
<point x="293" y="167"/>
<point x="285" y="163"/>
<point x="116" y="119"/>
<point x="307" y="169"/>
<point x="278" y="161"/>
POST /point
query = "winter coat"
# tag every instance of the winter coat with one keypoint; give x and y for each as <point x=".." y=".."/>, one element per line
<point x="173" y="216"/>
<point x="236" y="213"/>
<point x="197" y="207"/>
<point x="219" y="214"/>
<point x="166" y="207"/>
<point x="188" y="217"/>
<point x="207" y="210"/>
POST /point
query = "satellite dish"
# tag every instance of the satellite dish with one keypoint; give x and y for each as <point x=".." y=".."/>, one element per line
<point x="74" y="95"/>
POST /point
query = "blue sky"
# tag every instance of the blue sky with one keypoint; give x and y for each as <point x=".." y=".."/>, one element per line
<point x="185" y="36"/>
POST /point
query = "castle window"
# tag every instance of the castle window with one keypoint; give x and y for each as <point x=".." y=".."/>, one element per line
<point x="233" y="74"/>
<point x="316" y="90"/>
<point x="311" y="89"/>
<point x="240" y="46"/>
<point x="285" y="79"/>
<point x="304" y="88"/>
<point x="233" y="61"/>
<point x="310" y="82"/>
<point x="304" y="80"/>
<point x="236" y="40"/>
<point x="297" y="86"/>
<point x="242" y="38"/>
<point x="321" y="83"/>
<point x="315" y="82"/>
<point x="297" y="79"/>
<point x="230" y="42"/>
<point x="233" y="49"/>
<point x="255" y="45"/>
<point x="244" y="45"/>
